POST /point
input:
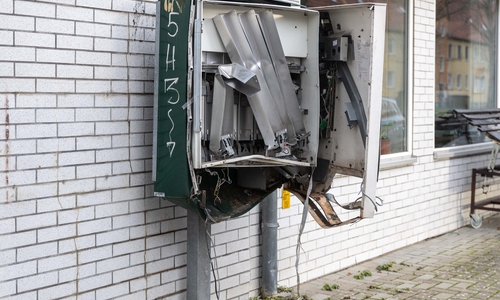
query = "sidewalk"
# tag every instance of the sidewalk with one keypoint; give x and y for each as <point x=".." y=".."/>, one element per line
<point x="463" y="264"/>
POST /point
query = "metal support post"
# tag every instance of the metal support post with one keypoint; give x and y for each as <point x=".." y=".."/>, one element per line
<point x="198" y="259"/>
<point x="270" y="244"/>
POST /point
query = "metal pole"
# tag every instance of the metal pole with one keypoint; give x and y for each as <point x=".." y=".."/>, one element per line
<point x="198" y="261"/>
<point x="270" y="225"/>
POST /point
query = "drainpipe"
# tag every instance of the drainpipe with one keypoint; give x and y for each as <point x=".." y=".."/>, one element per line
<point x="270" y="244"/>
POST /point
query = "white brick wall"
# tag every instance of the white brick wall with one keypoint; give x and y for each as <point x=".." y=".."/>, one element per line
<point x="78" y="217"/>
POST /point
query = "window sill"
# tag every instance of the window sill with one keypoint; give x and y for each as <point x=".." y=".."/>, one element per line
<point x="396" y="161"/>
<point x="462" y="151"/>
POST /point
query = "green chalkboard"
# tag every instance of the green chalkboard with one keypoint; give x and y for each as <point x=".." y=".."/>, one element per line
<point x="172" y="170"/>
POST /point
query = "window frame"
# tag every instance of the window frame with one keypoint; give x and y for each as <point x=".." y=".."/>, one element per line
<point x="406" y="157"/>
<point x="480" y="148"/>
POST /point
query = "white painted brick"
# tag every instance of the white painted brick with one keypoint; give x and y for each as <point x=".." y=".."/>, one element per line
<point x="75" y="100"/>
<point x="55" y="115"/>
<point x="18" y="147"/>
<point x="76" y="186"/>
<point x="128" y="60"/>
<point x="113" y="237"/>
<point x="120" y="141"/>
<point x="109" y="17"/>
<point x="55" y="56"/>
<point x="94" y="254"/>
<point x="55" y="86"/>
<point x="36" y="221"/>
<point x="35" y="70"/>
<point x="37" y="281"/>
<point x="7" y="288"/>
<point x="56" y="233"/>
<point x="35" y="9"/>
<point x="95" y="226"/>
<point x="18" y="178"/>
<point x="57" y="291"/>
<point x="15" y="240"/>
<point x="16" y="53"/>
<point x="93" y="58"/>
<point x="16" y="116"/>
<point x="8" y="85"/>
<point x="105" y="4"/>
<point x="35" y="39"/>
<point x="143" y="47"/>
<point x="93" y="142"/>
<point x="75" y="129"/>
<point x="94" y="198"/>
<point x="7" y="226"/>
<point x="55" y="145"/>
<point x="36" y="131"/>
<point x="93" y="86"/>
<point x="35" y="100"/>
<point x="75" y="215"/>
<point x="127" y="87"/>
<point x="74" y="71"/>
<point x="112" y="182"/>
<point x="37" y="191"/>
<point x="142" y="21"/>
<point x="93" y="114"/>
<point x="17" y="22"/>
<point x="7" y="69"/>
<point x="18" y="270"/>
<point x="54" y="204"/>
<point x="128" y="167"/>
<point x="128" y="220"/>
<point x="128" y="274"/>
<point x="111" y="101"/>
<point x="7" y="7"/>
<point x="141" y="100"/>
<point x="113" y="291"/>
<point x="128" y="194"/>
<point x="76" y="158"/>
<point x="159" y="265"/>
<point x="110" y="73"/>
<point x="112" y="264"/>
<point x="114" y="209"/>
<point x="92" y="29"/>
<point x="94" y="282"/>
<point x="77" y="244"/>
<point x="75" y="13"/>
<point x="140" y="179"/>
<point x="97" y="170"/>
<point x="161" y="290"/>
<point x="17" y="209"/>
<point x="111" y="128"/>
<point x="128" y="247"/>
<point x="128" y="6"/>
<point x="118" y="154"/>
<point x="56" y="262"/>
<point x="113" y="45"/>
<point x="74" y="42"/>
<point x="55" y="26"/>
<point x="127" y="114"/>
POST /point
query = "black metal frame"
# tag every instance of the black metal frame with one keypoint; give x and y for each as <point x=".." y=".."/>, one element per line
<point x="483" y="205"/>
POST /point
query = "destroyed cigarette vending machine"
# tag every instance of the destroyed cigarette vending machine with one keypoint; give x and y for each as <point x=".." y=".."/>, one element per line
<point x="253" y="97"/>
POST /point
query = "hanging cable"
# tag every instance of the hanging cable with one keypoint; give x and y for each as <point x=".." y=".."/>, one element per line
<point x="301" y="230"/>
<point x="208" y="239"/>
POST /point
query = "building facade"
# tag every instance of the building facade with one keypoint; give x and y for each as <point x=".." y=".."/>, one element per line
<point x="78" y="219"/>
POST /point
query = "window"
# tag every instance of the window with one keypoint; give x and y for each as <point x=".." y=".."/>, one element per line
<point x="395" y="106"/>
<point x="390" y="48"/>
<point x="471" y="25"/>
<point x="441" y="64"/>
<point x="390" y="79"/>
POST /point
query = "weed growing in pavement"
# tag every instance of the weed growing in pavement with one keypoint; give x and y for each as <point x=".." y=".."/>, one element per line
<point x="386" y="267"/>
<point x="284" y="289"/>
<point x="363" y="274"/>
<point x="330" y="287"/>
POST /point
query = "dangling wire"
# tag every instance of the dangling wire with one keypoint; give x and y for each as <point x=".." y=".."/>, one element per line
<point x="301" y="230"/>
<point x="220" y="182"/>
<point x="210" y="243"/>
<point x="375" y="204"/>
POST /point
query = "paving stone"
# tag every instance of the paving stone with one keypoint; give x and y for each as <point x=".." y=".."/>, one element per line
<point x="463" y="264"/>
